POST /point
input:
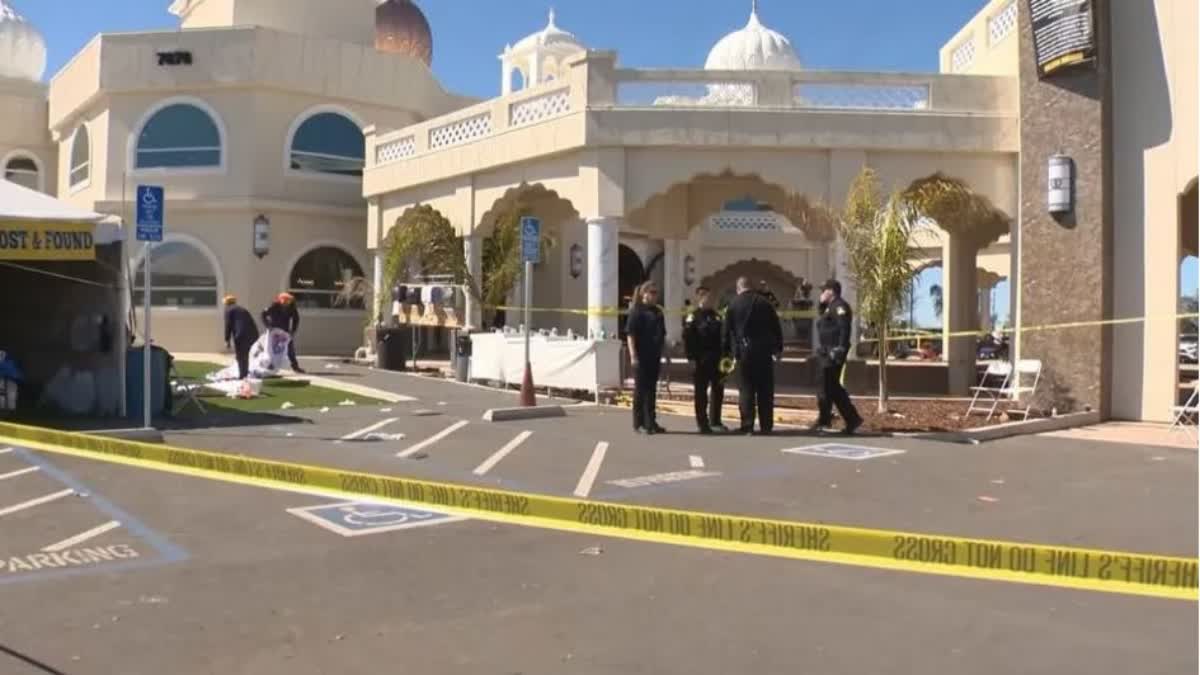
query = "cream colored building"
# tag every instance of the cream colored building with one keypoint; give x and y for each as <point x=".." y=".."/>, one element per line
<point x="250" y="109"/>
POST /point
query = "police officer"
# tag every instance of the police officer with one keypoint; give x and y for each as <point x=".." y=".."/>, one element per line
<point x="282" y="314"/>
<point x="833" y="334"/>
<point x="241" y="332"/>
<point x="646" y="333"/>
<point x="702" y="336"/>
<point x="753" y="334"/>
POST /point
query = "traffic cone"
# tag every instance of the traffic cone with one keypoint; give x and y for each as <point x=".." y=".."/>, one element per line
<point x="528" y="399"/>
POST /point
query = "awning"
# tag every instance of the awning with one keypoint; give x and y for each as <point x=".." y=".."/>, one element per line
<point x="36" y="226"/>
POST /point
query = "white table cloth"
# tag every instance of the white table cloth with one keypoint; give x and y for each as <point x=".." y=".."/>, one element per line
<point x="559" y="362"/>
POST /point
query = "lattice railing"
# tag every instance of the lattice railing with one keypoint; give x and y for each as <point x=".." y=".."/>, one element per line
<point x="1002" y="23"/>
<point x="461" y="131"/>
<point x="749" y="221"/>
<point x="716" y="94"/>
<point x="862" y="96"/>
<point x="539" y="108"/>
<point x="396" y="150"/>
<point x="963" y="55"/>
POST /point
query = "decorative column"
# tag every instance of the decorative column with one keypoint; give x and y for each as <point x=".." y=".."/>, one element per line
<point x="381" y="297"/>
<point x="960" y="310"/>
<point x="473" y="252"/>
<point x="841" y="272"/>
<point x="674" y="291"/>
<point x="602" y="274"/>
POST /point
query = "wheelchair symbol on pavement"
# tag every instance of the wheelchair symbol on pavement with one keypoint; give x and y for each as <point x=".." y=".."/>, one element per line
<point x="355" y="519"/>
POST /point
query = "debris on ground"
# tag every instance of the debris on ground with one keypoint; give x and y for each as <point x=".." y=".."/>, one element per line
<point x="592" y="550"/>
<point x="287" y="405"/>
<point x="989" y="500"/>
<point x="347" y="402"/>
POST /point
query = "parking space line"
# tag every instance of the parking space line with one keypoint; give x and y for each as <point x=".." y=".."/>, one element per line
<point x="18" y="472"/>
<point x="35" y="502"/>
<point x="696" y="461"/>
<point x="4" y="451"/>
<point x="432" y="439"/>
<point x="82" y="536"/>
<point x="366" y="430"/>
<point x="490" y="463"/>
<point x="584" y="488"/>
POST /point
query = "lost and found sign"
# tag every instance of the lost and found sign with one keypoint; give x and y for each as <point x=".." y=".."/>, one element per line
<point x="47" y="241"/>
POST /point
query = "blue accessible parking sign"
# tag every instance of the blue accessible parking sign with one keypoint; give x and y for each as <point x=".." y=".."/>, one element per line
<point x="150" y="211"/>
<point x="355" y="519"/>
<point x="531" y="235"/>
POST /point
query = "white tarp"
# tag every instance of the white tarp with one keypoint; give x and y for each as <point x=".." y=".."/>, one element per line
<point x="267" y="357"/>
<point x="18" y="202"/>
<point x="559" y="362"/>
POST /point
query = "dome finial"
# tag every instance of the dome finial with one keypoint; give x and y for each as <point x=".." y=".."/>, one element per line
<point x="753" y="14"/>
<point x="551" y="23"/>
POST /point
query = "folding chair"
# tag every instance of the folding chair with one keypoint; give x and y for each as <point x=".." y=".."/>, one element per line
<point x="991" y="385"/>
<point x="186" y="388"/>
<point x="1187" y="416"/>
<point x="1025" y="369"/>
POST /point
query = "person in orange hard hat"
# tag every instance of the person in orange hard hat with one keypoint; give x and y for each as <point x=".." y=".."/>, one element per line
<point x="282" y="314"/>
<point x="240" y="333"/>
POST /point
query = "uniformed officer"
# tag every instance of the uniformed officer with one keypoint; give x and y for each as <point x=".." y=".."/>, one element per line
<point x="646" y="333"/>
<point x="753" y="334"/>
<point x="241" y="333"/>
<point x="702" y="336"/>
<point x="282" y="314"/>
<point x="833" y="334"/>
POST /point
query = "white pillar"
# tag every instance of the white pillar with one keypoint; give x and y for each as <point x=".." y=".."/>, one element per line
<point x="535" y="69"/>
<point x="505" y="77"/>
<point x="602" y="274"/>
<point x="674" y="291"/>
<point x="382" y="299"/>
<point x="473" y="252"/>
<point x="841" y="272"/>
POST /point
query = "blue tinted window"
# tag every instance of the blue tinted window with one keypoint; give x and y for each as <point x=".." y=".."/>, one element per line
<point x="329" y="143"/>
<point x="180" y="135"/>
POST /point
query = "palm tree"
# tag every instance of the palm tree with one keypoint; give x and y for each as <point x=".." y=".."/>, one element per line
<point x="935" y="294"/>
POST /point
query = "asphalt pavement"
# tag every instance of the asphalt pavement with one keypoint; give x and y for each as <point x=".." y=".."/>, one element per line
<point x="112" y="569"/>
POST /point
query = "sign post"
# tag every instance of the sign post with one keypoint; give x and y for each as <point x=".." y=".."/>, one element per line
<point x="531" y="235"/>
<point x="150" y="210"/>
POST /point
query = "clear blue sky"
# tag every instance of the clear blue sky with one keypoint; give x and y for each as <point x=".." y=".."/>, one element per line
<point x="468" y="34"/>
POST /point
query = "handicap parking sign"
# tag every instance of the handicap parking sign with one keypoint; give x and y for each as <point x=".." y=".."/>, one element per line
<point x="355" y="519"/>
<point x="843" y="451"/>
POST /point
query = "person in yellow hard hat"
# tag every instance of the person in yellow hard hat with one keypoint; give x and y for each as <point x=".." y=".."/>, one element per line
<point x="282" y="314"/>
<point x="241" y="333"/>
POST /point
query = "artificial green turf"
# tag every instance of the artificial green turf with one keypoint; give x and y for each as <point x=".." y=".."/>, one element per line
<point x="274" y="393"/>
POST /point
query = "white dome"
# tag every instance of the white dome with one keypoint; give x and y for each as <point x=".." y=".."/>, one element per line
<point x="754" y="47"/>
<point x="22" y="48"/>
<point x="550" y="36"/>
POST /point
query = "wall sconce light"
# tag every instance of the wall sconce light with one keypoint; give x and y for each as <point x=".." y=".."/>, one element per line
<point x="1061" y="197"/>
<point x="689" y="270"/>
<point x="262" y="236"/>
<point x="576" y="260"/>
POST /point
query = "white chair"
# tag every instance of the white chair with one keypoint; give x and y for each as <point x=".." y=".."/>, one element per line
<point x="1027" y="371"/>
<point x="991" y="385"/>
<point x="1187" y="415"/>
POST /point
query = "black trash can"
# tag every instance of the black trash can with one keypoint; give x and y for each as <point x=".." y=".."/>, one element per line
<point x="393" y="346"/>
<point x="462" y="354"/>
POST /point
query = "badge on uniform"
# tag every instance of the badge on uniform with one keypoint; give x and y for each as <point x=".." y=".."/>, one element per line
<point x="690" y="318"/>
<point x="841" y="311"/>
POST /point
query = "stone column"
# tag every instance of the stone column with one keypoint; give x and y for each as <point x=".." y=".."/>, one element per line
<point x="473" y="252"/>
<point x="381" y="298"/>
<point x="960" y="310"/>
<point x="674" y="291"/>
<point x="602" y="257"/>
<point x="841" y="272"/>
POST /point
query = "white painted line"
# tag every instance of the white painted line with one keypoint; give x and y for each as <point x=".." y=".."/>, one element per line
<point x="34" y="502"/>
<point x="432" y="439"/>
<point x="83" y="536"/>
<point x="18" y="472"/>
<point x="664" y="478"/>
<point x="366" y="430"/>
<point x="584" y="488"/>
<point x="491" y="462"/>
<point x="5" y="451"/>
<point x="696" y="461"/>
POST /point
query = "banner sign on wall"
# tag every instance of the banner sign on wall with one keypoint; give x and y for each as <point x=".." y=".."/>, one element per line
<point x="47" y="241"/>
<point x="1064" y="33"/>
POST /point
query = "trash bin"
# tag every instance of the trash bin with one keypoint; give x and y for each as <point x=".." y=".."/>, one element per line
<point x="392" y="348"/>
<point x="462" y="361"/>
<point x="160" y="382"/>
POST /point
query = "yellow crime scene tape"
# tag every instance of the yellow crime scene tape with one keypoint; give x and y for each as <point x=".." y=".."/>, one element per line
<point x="1077" y="568"/>
<point x="1032" y="329"/>
<point x="617" y="311"/>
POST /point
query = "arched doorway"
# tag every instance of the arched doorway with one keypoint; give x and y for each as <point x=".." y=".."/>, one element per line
<point x="630" y="273"/>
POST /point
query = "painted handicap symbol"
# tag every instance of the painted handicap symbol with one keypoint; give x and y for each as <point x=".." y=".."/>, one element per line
<point x="381" y="516"/>
<point x="354" y="519"/>
<point x="842" y="451"/>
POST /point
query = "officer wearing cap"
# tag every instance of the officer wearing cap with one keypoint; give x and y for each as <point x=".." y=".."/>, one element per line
<point x="833" y="334"/>
<point x="702" y="336"/>
<point x="753" y="334"/>
<point x="241" y="333"/>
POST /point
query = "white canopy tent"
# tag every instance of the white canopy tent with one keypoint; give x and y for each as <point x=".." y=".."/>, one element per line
<point x="66" y="327"/>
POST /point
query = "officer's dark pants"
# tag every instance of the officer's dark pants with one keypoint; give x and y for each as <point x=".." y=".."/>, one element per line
<point x="292" y="351"/>
<point x="707" y="377"/>
<point x="834" y="394"/>
<point x="242" y="351"/>
<point x="645" y="392"/>
<point x="756" y="388"/>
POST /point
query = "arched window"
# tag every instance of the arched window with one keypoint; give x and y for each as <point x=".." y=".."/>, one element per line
<point x="181" y="276"/>
<point x="180" y="135"/>
<point x="81" y="157"/>
<point x="328" y="143"/>
<point x="23" y="170"/>
<point x="319" y="277"/>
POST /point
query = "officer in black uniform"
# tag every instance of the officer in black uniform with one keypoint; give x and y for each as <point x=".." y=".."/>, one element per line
<point x="702" y="336"/>
<point x="833" y="333"/>
<point x="753" y="334"/>
<point x="646" y="333"/>
<point x="241" y="333"/>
